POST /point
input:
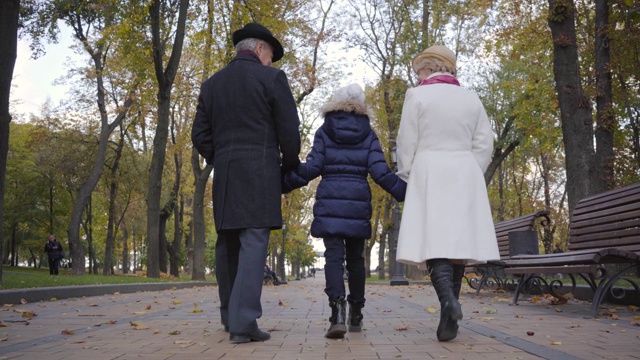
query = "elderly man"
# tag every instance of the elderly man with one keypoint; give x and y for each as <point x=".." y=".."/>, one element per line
<point x="246" y="125"/>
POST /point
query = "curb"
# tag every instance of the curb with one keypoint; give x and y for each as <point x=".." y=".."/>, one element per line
<point x="19" y="296"/>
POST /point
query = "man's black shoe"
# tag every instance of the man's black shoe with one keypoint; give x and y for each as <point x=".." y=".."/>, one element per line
<point x="257" y="335"/>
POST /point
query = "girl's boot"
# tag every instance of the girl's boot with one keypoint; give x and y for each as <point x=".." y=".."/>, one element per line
<point x="337" y="328"/>
<point x="355" y="316"/>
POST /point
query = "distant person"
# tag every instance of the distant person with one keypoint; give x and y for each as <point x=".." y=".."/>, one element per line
<point x="345" y="151"/>
<point x="54" y="253"/>
<point x="445" y="144"/>
<point x="246" y="126"/>
<point x="272" y="274"/>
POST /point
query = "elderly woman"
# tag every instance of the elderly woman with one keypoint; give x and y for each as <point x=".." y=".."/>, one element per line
<point x="444" y="146"/>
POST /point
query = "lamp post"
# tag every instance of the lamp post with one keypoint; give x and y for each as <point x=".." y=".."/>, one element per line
<point x="283" y="270"/>
<point x="398" y="269"/>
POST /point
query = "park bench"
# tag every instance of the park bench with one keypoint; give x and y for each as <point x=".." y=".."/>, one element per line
<point x="604" y="229"/>
<point x="492" y="272"/>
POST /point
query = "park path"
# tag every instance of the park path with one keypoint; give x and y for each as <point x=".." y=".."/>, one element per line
<point x="399" y="323"/>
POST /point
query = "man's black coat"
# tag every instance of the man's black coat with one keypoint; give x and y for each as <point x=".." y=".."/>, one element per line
<point x="246" y="125"/>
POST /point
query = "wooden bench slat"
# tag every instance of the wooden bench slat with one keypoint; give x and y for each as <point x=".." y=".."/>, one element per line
<point x="628" y="211"/>
<point x="607" y="203"/>
<point x="613" y="238"/>
<point x="595" y="256"/>
<point x="611" y="226"/>
<point x="589" y="201"/>
<point x="574" y="269"/>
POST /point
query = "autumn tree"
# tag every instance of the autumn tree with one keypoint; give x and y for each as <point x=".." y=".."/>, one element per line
<point x="9" y="14"/>
<point x="89" y="22"/>
<point x="164" y="16"/>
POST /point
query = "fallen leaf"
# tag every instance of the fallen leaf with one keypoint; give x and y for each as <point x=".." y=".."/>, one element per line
<point x="183" y="342"/>
<point x="53" y="299"/>
<point x="195" y="308"/>
<point x="23" y="301"/>
<point x="558" y="310"/>
<point x="174" y="332"/>
<point x="26" y="313"/>
<point x="67" y="332"/>
<point x="556" y="343"/>
<point x="3" y="324"/>
<point x="156" y="331"/>
<point x="402" y="328"/>
<point x="432" y="310"/>
<point x="93" y="305"/>
<point x="148" y="307"/>
<point x="530" y="333"/>
<point x="176" y="302"/>
<point x="111" y="322"/>
<point x="138" y="326"/>
<point x="8" y="305"/>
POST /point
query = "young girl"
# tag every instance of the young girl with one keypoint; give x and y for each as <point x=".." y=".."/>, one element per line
<point x="345" y="150"/>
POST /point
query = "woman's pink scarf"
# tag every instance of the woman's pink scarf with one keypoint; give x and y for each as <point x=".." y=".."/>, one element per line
<point x="440" y="79"/>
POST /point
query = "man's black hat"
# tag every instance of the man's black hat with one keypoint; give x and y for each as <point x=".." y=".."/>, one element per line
<point x="257" y="31"/>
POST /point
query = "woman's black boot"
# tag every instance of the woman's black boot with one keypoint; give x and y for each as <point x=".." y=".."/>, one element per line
<point x="337" y="328"/>
<point x="458" y="275"/>
<point x="355" y="316"/>
<point x="450" y="309"/>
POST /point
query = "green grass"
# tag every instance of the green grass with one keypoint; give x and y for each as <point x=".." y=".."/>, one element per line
<point x="21" y="278"/>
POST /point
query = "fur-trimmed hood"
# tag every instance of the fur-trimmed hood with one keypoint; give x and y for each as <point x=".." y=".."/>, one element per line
<point x="346" y="116"/>
<point x="349" y="106"/>
<point x="349" y="99"/>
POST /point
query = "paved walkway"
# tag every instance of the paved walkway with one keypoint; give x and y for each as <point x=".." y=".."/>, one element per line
<point x="400" y="323"/>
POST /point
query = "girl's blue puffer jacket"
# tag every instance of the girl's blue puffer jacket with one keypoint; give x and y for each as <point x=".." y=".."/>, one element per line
<point x="345" y="150"/>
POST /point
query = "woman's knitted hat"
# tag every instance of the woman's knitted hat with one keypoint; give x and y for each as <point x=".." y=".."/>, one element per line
<point x="438" y="52"/>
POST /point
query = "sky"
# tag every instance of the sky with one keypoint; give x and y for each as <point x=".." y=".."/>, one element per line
<point x="33" y="79"/>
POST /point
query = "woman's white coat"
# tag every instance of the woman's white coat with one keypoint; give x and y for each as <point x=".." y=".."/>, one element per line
<point x="444" y="145"/>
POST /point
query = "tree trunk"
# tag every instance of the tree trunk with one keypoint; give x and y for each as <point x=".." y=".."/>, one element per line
<point x="13" y="250"/>
<point x="386" y="220"/>
<point x="634" y="121"/>
<point x="575" y="109"/>
<point x="201" y="177"/>
<point x="605" y="116"/>
<point x="371" y="243"/>
<point x="174" y="248"/>
<point x="188" y="244"/>
<point x="9" y="14"/>
<point x="111" y="223"/>
<point x="165" y="78"/>
<point x="125" y="249"/>
<point x="165" y="213"/>
<point x="501" y="152"/>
